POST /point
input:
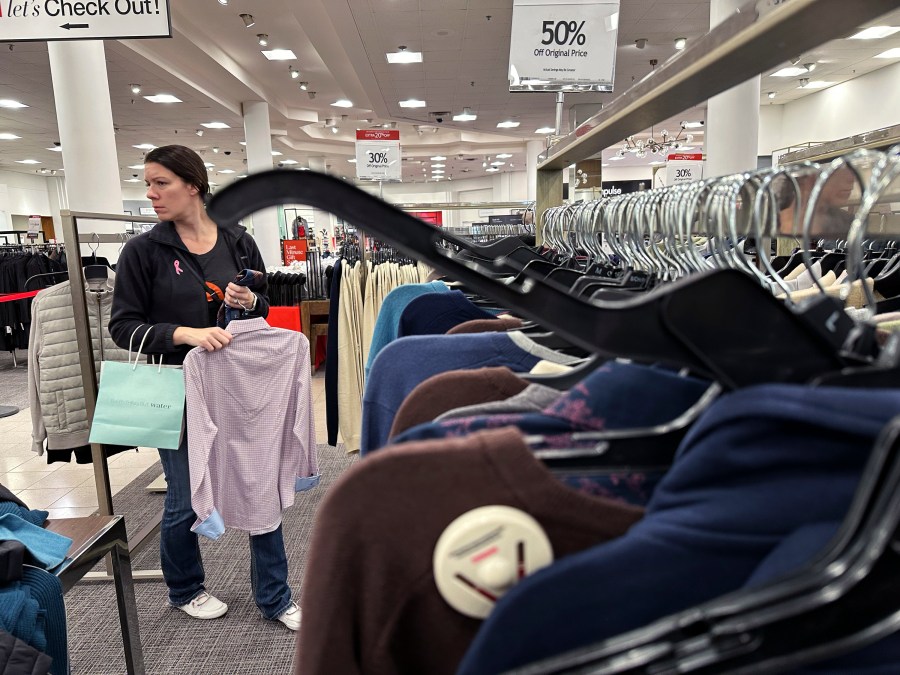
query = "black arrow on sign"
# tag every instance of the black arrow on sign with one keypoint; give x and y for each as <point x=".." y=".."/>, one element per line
<point x="69" y="26"/>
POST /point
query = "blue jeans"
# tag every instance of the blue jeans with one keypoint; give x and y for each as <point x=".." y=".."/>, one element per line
<point x="182" y="567"/>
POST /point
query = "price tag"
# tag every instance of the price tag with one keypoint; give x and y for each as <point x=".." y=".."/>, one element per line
<point x="569" y="45"/>
<point x="34" y="226"/>
<point x="378" y="154"/>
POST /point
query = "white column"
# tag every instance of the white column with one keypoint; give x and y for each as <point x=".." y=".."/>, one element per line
<point x="532" y="150"/>
<point x="56" y="190"/>
<point x="732" y="117"/>
<point x="258" y="135"/>
<point x="84" y="116"/>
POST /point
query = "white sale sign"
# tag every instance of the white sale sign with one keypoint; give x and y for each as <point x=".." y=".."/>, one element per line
<point x="378" y="154"/>
<point x="31" y="20"/>
<point x="567" y="45"/>
<point x="684" y="168"/>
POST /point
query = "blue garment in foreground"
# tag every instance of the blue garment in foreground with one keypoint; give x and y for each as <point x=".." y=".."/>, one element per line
<point x="760" y="464"/>
<point x="388" y="320"/>
<point x="32" y="609"/>
<point x="436" y="313"/>
<point x="408" y="361"/>
<point x="47" y="548"/>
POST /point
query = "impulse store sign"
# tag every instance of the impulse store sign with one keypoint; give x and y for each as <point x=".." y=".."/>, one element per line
<point x="38" y="20"/>
<point x="563" y="46"/>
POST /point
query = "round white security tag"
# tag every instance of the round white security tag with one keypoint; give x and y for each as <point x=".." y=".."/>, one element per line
<point x="485" y="552"/>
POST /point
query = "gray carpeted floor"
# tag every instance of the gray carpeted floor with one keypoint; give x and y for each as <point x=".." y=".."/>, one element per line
<point x="240" y="642"/>
<point x="14" y="381"/>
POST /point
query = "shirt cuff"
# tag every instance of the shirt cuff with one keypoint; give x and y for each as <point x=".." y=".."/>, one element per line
<point x="302" y="484"/>
<point x="212" y="528"/>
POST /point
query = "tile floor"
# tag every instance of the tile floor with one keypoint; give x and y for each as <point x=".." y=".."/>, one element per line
<point x="68" y="490"/>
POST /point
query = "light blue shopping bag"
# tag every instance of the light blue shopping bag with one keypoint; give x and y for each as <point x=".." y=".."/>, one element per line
<point x="139" y="404"/>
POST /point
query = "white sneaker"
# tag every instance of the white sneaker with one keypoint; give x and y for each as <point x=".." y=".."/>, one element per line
<point x="204" y="606"/>
<point x="291" y="617"/>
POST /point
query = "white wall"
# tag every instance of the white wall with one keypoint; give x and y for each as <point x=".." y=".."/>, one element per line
<point x="866" y="103"/>
<point x="613" y="172"/>
<point x="25" y="195"/>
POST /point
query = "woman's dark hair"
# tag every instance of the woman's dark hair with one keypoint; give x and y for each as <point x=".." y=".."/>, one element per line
<point x="184" y="163"/>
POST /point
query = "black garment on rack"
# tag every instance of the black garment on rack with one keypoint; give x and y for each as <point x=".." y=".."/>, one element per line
<point x="331" y="357"/>
<point x="82" y="453"/>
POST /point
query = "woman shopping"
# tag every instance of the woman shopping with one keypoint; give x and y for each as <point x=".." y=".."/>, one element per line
<point x="171" y="284"/>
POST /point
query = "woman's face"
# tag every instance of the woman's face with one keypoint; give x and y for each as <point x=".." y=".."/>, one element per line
<point x="172" y="198"/>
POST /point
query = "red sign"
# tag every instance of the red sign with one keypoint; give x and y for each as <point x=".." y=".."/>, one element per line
<point x="378" y="134"/>
<point x="433" y="217"/>
<point x="686" y="157"/>
<point x="294" y="250"/>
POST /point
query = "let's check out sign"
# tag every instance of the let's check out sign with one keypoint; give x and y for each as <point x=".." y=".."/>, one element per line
<point x="38" y="20"/>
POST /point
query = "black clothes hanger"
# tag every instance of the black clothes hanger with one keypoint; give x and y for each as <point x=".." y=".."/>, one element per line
<point x="844" y="601"/>
<point x="565" y="381"/>
<point x="679" y="324"/>
<point x="647" y="449"/>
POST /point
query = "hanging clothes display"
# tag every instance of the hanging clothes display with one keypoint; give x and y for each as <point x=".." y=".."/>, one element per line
<point x="736" y="427"/>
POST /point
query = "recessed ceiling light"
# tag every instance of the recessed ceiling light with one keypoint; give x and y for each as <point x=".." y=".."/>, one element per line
<point x="9" y="103"/>
<point x="279" y="54"/>
<point x="242" y="142"/>
<point x="227" y="171"/>
<point x="55" y="148"/>
<point x="262" y="39"/>
<point x="504" y="155"/>
<point x="412" y="103"/>
<point x="874" y="33"/>
<point x="438" y="166"/>
<point x="288" y="162"/>
<point x="615" y="159"/>
<point x="163" y="98"/>
<point x="438" y="158"/>
<point x="208" y="165"/>
<point x="816" y="84"/>
<point x="223" y="2"/>
<point x="437" y="171"/>
<point x="275" y="153"/>
<point x="497" y="163"/>
<point x="352" y="160"/>
<point x="791" y="71"/>
<point x="248" y="20"/>
<point x="133" y="180"/>
<point x="492" y="169"/>
<point x="27" y="161"/>
<point x="135" y="88"/>
<point x="404" y="56"/>
<point x="508" y="124"/>
<point x="545" y="130"/>
<point x="465" y="116"/>
<point x="889" y="54"/>
<point x="772" y="94"/>
<point x="136" y="166"/>
<point x="215" y="125"/>
<point x="304" y="86"/>
<point x="692" y="125"/>
<point x="144" y="146"/>
<point x="294" y="72"/>
<point x="604" y="164"/>
<point x="680" y="43"/>
<point x="12" y="137"/>
<point x="343" y="103"/>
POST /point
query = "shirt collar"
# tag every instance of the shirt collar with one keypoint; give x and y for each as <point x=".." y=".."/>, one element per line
<point x="247" y="325"/>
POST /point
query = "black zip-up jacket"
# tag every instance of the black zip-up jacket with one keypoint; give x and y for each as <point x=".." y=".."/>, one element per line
<point x="159" y="284"/>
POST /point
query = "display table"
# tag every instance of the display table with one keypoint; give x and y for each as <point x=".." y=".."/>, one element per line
<point x="93" y="537"/>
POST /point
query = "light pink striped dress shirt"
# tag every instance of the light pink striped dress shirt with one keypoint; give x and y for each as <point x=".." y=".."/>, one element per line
<point x="250" y="426"/>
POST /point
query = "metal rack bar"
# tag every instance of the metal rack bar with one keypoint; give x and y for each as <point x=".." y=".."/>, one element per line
<point x="442" y="206"/>
<point x="73" y="241"/>
<point x="759" y="36"/>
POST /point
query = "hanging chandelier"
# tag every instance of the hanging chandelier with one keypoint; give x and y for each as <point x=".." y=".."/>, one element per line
<point x="667" y="143"/>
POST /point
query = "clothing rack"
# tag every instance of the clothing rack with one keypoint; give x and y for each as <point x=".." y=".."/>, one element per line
<point x="73" y="244"/>
<point x="758" y="37"/>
